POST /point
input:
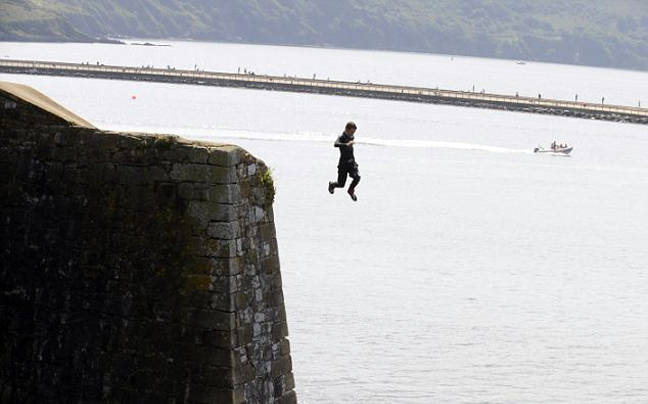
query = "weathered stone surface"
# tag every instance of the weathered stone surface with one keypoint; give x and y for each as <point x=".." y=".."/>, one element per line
<point x="209" y="211"/>
<point x="224" y="230"/>
<point x="134" y="268"/>
<point x="225" y="194"/>
<point x="191" y="172"/>
<point x="225" y="156"/>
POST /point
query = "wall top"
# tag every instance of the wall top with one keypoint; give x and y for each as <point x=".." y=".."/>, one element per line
<point x="45" y="103"/>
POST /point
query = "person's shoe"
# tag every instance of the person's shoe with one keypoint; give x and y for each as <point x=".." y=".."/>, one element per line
<point x="331" y="188"/>
<point x="352" y="195"/>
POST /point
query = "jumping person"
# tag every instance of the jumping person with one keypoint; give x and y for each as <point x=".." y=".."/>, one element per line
<point x="347" y="164"/>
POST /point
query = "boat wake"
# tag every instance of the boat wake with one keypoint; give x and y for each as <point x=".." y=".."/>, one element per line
<point x="327" y="138"/>
<point x="220" y="135"/>
<point x="433" y="144"/>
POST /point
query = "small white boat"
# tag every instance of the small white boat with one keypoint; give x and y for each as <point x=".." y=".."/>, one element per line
<point x="566" y="149"/>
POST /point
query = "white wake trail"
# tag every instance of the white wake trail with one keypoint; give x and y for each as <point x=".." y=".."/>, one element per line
<point x="409" y="143"/>
<point x="433" y="144"/>
<point x="216" y="134"/>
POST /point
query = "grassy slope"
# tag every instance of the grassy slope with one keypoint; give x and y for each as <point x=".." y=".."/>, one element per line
<point x="29" y="21"/>
<point x="597" y="32"/>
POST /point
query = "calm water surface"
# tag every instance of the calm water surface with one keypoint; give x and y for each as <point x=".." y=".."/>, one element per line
<point x="470" y="270"/>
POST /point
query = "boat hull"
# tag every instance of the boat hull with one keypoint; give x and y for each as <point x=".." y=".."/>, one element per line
<point x="560" y="150"/>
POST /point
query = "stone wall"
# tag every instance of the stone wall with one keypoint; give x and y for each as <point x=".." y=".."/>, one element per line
<point x="135" y="268"/>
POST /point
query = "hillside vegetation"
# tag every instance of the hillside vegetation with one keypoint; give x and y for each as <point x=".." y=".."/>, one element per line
<point x="593" y="32"/>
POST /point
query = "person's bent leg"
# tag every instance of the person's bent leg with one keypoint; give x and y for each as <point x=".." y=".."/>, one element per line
<point x="341" y="180"/>
<point x="355" y="175"/>
<point x="355" y="182"/>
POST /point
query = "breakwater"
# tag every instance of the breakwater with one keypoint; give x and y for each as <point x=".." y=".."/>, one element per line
<point x="617" y="113"/>
<point x="134" y="268"/>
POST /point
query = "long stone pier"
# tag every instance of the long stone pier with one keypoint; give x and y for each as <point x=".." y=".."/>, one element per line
<point x="617" y="113"/>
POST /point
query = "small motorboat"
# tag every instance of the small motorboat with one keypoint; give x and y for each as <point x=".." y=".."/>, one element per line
<point x="556" y="149"/>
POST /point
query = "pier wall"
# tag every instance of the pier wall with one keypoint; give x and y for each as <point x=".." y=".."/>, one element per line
<point x="574" y="109"/>
<point x="134" y="268"/>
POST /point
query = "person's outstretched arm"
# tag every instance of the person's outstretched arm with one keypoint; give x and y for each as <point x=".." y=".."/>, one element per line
<point x="340" y="143"/>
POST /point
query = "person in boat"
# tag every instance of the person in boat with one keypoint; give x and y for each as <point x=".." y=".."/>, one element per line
<point x="347" y="165"/>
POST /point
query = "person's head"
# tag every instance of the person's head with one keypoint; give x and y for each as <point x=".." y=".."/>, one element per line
<point x="350" y="128"/>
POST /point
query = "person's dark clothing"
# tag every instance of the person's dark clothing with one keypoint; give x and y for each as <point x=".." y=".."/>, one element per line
<point x="346" y="152"/>
<point x="347" y="165"/>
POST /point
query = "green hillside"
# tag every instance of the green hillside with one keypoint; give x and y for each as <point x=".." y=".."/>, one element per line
<point x="593" y="32"/>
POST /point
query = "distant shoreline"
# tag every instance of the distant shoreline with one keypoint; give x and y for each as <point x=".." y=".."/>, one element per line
<point x="108" y="41"/>
<point x="147" y="42"/>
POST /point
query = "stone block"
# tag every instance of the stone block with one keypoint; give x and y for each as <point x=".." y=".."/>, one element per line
<point x="198" y="283"/>
<point x="66" y="154"/>
<point x="191" y="172"/>
<point x="216" y="266"/>
<point x="244" y="335"/>
<point x="224" y="175"/>
<point x="224" y="284"/>
<point x="103" y="140"/>
<point x="279" y="330"/>
<point x="275" y="297"/>
<point x="214" y="320"/>
<point x="284" y="347"/>
<point x="230" y="193"/>
<point x="244" y="373"/>
<point x="222" y="248"/>
<point x="94" y="154"/>
<point x="201" y="191"/>
<point x="154" y="174"/>
<point x="224" y="156"/>
<point x="102" y="173"/>
<point x="284" y="384"/>
<point x="209" y="394"/>
<point x="130" y="175"/>
<point x="222" y="302"/>
<point x="267" y="231"/>
<point x="203" y="173"/>
<point x="217" y="377"/>
<point x="288" y="398"/>
<point x="220" y="339"/>
<point x="281" y="314"/>
<point x="165" y="193"/>
<point x="63" y="138"/>
<point x="270" y="264"/>
<point x="282" y="366"/>
<point x="196" y="154"/>
<point x="186" y="190"/>
<point x="205" y="211"/>
<point x="204" y="266"/>
<point x="274" y="280"/>
<point x="235" y="266"/>
<point x="223" y="230"/>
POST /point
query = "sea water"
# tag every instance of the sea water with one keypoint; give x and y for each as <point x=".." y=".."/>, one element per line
<point x="470" y="270"/>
